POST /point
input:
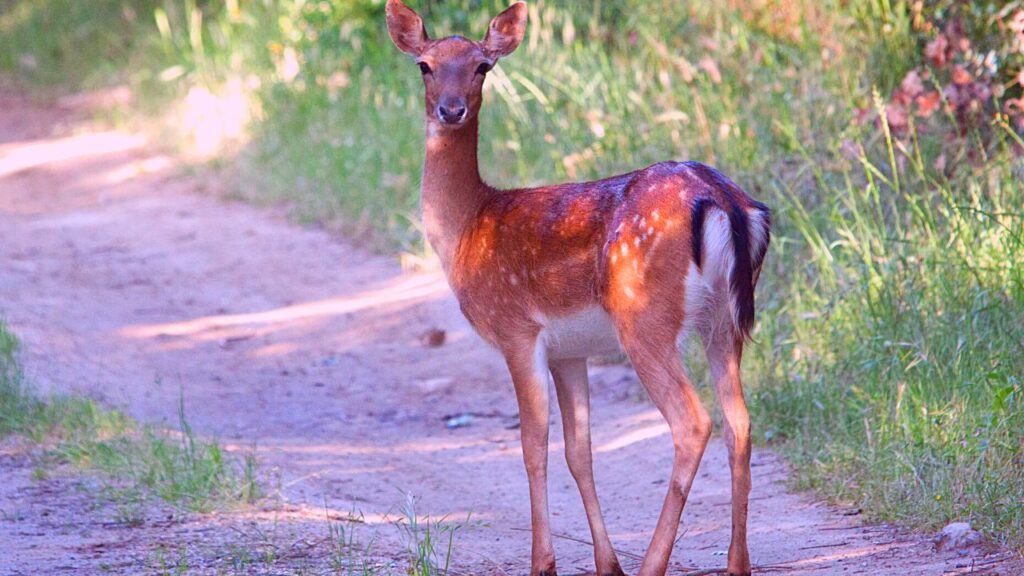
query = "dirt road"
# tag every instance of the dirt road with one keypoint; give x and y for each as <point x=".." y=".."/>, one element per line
<point x="130" y="283"/>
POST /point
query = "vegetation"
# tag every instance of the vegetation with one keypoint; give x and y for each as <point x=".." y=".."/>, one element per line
<point x="349" y="552"/>
<point x="142" y="462"/>
<point x="137" y="462"/>
<point x="885" y="133"/>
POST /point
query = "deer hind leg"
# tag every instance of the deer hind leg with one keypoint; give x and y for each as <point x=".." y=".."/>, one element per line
<point x="661" y="371"/>
<point x="724" y="349"/>
<point x="526" y="365"/>
<point x="574" y="401"/>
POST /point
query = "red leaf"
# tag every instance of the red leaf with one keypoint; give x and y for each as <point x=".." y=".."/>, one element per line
<point x="935" y="51"/>
<point x="928" y="103"/>
<point x="961" y="76"/>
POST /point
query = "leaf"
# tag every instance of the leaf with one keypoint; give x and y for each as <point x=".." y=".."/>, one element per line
<point x="961" y="76"/>
<point x="928" y="104"/>
<point x="936" y="51"/>
<point x="999" y="403"/>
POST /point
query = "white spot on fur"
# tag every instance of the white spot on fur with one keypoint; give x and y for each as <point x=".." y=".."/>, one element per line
<point x="624" y="248"/>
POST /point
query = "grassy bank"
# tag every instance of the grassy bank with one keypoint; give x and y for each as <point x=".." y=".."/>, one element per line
<point x="135" y="462"/>
<point x="889" y="362"/>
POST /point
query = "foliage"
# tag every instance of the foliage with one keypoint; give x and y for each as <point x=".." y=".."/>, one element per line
<point x="971" y="69"/>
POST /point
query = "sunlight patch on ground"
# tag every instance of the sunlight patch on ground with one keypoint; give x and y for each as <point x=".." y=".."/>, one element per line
<point x="306" y="512"/>
<point x="417" y="447"/>
<point x="634" y="436"/>
<point x="413" y="288"/>
<point x="21" y="156"/>
<point x="658" y="428"/>
<point x="129" y="171"/>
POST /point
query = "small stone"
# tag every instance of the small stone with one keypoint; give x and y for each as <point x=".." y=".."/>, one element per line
<point x="432" y="385"/>
<point x="433" y="338"/>
<point x="957" y="536"/>
<point x="459" y="421"/>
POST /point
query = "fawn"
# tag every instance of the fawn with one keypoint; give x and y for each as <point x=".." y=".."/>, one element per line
<point x="552" y="275"/>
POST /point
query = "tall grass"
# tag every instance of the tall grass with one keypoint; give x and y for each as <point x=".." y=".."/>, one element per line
<point x="888" y="365"/>
<point x="892" y="357"/>
<point x="596" y="88"/>
<point x="13" y="399"/>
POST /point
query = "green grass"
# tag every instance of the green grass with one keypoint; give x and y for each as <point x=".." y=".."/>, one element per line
<point x="349" y="549"/>
<point x="136" y="462"/>
<point x="889" y="359"/>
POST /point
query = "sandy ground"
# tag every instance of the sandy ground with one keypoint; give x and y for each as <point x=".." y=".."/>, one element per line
<point x="131" y="284"/>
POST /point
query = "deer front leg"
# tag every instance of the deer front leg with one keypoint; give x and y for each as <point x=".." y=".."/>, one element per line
<point x="724" y="350"/>
<point x="530" y="380"/>
<point x="574" y="401"/>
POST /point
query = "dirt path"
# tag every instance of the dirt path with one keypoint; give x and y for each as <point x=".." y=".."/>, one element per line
<point x="129" y="285"/>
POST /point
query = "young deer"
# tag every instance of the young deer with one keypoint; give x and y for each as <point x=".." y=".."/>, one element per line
<point x="552" y="275"/>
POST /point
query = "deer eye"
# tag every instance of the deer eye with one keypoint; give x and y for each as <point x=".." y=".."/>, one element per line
<point x="424" y="68"/>
<point x="484" y="68"/>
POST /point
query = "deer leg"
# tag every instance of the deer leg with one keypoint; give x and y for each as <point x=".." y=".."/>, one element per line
<point x="662" y="374"/>
<point x="530" y="380"/>
<point x="574" y="401"/>
<point x="724" y="350"/>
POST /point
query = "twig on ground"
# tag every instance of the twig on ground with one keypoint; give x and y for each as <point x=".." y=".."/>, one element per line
<point x="823" y="545"/>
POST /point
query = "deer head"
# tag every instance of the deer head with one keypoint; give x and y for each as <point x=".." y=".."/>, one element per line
<point x="454" y="68"/>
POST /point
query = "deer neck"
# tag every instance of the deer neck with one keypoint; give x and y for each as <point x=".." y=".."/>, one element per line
<point x="452" y="190"/>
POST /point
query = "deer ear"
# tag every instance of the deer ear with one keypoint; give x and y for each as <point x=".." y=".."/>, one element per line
<point x="506" y="31"/>
<point x="406" y="28"/>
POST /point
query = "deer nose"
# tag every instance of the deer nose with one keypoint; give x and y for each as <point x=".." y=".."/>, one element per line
<point x="451" y="113"/>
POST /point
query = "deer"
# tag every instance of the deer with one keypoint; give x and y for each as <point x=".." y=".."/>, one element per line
<point x="553" y="275"/>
